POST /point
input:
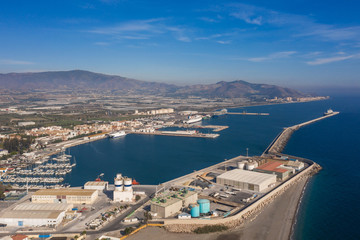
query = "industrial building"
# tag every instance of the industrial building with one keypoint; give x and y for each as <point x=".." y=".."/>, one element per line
<point x="275" y="167"/>
<point x="97" y="185"/>
<point x="70" y="195"/>
<point x="247" y="180"/>
<point x="35" y="214"/>
<point x="123" y="189"/>
<point x="297" y="165"/>
<point x="169" y="203"/>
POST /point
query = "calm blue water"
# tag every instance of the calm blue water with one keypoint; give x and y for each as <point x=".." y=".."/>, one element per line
<point x="328" y="210"/>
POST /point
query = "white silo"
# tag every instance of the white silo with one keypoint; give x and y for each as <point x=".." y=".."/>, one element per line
<point x="127" y="185"/>
<point x="123" y="189"/>
<point x="118" y="181"/>
<point x="241" y="165"/>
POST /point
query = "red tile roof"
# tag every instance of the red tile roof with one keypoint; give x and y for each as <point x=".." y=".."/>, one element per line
<point x="19" y="237"/>
<point x="272" y="166"/>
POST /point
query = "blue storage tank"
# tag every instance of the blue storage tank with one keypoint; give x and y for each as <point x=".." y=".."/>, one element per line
<point x="194" y="210"/>
<point x="204" y="205"/>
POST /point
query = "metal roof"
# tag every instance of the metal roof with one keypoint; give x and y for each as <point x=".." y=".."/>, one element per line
<point x="96" y="183"/>
<point x="247" y="176"/>
<point x="67" y="191"/>
<point x="31" y="214"/>
<point x="42" y="207"/>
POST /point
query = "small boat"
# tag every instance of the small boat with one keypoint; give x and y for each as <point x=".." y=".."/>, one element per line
<point x="328" y="112"/>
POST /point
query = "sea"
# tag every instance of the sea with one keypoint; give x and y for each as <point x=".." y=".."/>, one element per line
<point x="329" y="208"/>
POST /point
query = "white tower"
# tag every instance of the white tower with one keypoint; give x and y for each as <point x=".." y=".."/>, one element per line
<point x="118" y="181"/>
<point x="127" y="185"/>
<point x="123" y="189"/>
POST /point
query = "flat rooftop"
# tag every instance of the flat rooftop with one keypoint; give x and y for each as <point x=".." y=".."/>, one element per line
<point x="68" y="191"/>
<point x="247" y="176"/>
<point x="169" y="198"/>
<point x="31" y="214"/>
<point x="42" y="207"/>
<point x="96" y="183"/>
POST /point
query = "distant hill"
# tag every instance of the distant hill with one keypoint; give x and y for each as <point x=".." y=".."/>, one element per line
<point x="85" y="80"/>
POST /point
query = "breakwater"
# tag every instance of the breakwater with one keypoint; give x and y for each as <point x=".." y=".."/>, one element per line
<point x="279" y="143"/>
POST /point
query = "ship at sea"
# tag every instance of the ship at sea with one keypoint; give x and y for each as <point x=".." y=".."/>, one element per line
<point x="193" y="119"/>
<point x="328" y="112"/>
<point x="117" y="134"/>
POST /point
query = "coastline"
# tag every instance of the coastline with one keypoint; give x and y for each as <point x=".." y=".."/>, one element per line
<point x="275" y="221"/>
<point x="296" y="214"/>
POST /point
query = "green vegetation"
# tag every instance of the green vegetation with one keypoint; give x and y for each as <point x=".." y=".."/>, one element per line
<point x="210" y="228"/>
<point x="3" y="188"/>
<point x="147" y="216"/>
<point x="17" y="145"/>
<point x="128" y="230"/>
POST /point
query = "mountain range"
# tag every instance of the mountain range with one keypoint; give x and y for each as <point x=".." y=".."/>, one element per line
<point x="85" y="80"/>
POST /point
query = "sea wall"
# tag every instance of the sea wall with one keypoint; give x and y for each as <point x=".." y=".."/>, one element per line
<point x="175" y="225"/>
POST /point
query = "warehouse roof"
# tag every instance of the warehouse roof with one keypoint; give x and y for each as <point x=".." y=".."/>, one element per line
<point x="247" y="176"/>
<point x="68" y="191"/>
<point x="43" y="207"/>
<point x="96" y="183"/>
<point x="31" y="214"/>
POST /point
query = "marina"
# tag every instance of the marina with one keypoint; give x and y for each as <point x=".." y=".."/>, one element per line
<point x="46" y="173"/>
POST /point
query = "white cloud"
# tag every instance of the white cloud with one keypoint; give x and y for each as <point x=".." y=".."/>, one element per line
<point x="277" y="55"/>
<point x="143" y="29"/>
<point x="297" y="25"/>
<point x="320" y="61"/>
<point x="15" y="62"/>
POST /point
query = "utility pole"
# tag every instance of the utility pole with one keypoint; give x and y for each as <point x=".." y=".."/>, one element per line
<point x="247" y="152"/>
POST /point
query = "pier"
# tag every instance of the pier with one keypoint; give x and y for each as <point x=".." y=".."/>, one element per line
<point x="247" y="113"/>
<point x="216" y="128"/>
<point x="180" y="134"/>
<point x="279" y="143"/>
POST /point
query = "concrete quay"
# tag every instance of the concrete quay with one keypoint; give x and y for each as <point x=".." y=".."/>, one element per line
<point x="247" y="113"/>
<point x="175" y="134"/>
<point x="216" y="128"/>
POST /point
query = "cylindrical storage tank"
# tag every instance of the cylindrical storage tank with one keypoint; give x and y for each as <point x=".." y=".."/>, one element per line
<point x="118" y="175"/>
<point x="118" y="184"/>
<point x="250" y="166"/>
<point x="127" y="184"/>
<point x="194" y="210"/>
<point x="241" y="165"/>
<point x="204" y="205"/>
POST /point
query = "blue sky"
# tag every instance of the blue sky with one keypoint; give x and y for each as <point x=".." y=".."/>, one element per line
<point x="290" y="43"/>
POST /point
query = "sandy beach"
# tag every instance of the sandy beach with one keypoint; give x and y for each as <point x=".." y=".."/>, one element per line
<point x="274" y="222"/>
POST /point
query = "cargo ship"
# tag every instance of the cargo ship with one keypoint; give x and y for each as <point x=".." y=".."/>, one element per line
<point x="193" y="119"/>
<point x="117" y="134"/>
